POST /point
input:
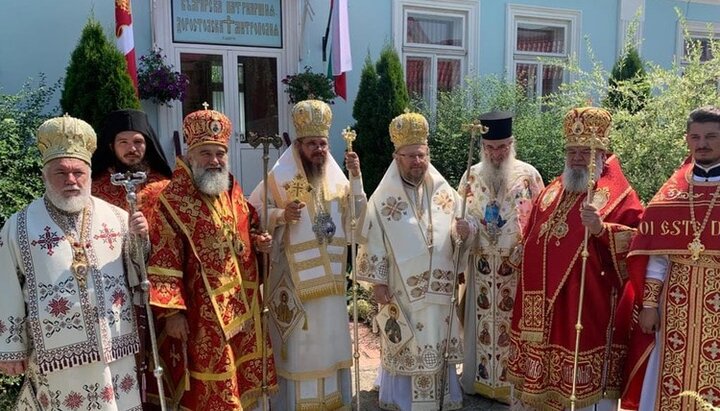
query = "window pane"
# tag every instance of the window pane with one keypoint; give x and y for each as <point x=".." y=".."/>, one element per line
<point x="434" y="30"/>
<point x="552" y="78"/>
<point x="526" y="77"/>
<point x="540" y="38"/>
<point x="257" y="95"/>
<point x="448" y="74"/>
<point x="702" y="43"/>
<point x="206" y="82"/>
<point x="418" y="76"/>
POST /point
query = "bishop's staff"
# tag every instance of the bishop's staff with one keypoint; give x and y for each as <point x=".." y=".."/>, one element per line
<point x="592" y="166"/>
<point x="349" y="136"/>
<point x="473" y="128"/>
<point x="255" y="140"/>
<point x="130" y="181"/>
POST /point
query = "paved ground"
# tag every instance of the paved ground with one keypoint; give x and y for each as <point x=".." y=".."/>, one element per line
<point x="369" y="363"/>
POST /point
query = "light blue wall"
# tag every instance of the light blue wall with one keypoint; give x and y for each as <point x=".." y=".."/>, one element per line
<point x="43" y="33"/>
<point x="370" y="30"/>
<point x="40" y="35"/>
<point x="661" y="26"/>
<point x="598" y="23"/>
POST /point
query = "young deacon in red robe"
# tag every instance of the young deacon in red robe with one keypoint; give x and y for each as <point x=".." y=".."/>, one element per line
<point x="674" y="265"/>
<point x="129" y="143"/>
<point x="204" y="274"/>
<point x="546" y="304"/>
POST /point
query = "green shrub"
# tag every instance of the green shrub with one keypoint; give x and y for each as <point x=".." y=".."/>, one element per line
<point x="382" y="96"/>
<point x="96" y="81"/>
<point x="648" y="122"/>
<point x="537" y="132"/>
<point x="20" y="116"/>
<point x="20" y="183"/>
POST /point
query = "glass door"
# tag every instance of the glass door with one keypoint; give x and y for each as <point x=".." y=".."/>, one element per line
<point x="245" y="87"/>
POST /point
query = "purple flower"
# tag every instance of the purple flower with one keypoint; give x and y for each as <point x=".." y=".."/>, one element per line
<point x="158" y="82"/>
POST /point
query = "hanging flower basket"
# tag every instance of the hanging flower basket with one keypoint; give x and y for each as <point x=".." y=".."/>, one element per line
<point x="158" y="82"/>
<point x="309" y="85"/>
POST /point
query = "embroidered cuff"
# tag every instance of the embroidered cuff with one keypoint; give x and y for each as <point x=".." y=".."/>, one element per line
<point x="651" y="293"/>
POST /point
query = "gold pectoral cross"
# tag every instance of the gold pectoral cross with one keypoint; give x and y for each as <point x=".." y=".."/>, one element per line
<point x="297" y="187"/>
<point x="695" y="247"/>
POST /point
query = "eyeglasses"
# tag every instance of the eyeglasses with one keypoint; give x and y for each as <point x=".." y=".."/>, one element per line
<point x="420" y="156"/>
<point x="312" y="145"/>
<point x="501" y="148"/>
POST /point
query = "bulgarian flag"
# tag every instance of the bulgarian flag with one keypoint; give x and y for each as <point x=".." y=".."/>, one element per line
<point x="124" y="36"/>
<point x="340" y="57"/>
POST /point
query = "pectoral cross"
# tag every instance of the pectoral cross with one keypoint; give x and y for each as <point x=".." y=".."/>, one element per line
<point x="695" y="247"/>
<point x="297" y="187"/>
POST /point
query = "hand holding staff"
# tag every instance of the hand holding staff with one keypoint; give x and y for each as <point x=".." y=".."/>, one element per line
<point x="352" y="163"/>
<point x="266" y="141"/>
<point x="130" y="181"/>
<point x="474" y="128"/>
<point x="592" y="166"/>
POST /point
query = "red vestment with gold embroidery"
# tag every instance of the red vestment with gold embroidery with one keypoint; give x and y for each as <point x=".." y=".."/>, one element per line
<point x="147" y="195"/>
<point x="203" y="264"/>
<point x="546" y="305"/>
<point x="689" y="301"/>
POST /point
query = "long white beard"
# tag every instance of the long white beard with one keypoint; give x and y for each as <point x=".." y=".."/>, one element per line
<point x="496" y="176"/>
<point x="73" y="204"/>
<point x="211" y="182"/>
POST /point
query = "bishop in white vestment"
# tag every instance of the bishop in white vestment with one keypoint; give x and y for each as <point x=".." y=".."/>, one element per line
<point x="66" y="309"/>
<point x="309" y="219"/>
<point x="410" y="233"/>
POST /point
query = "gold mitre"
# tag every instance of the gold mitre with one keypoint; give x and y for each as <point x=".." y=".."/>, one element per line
<point x="312" y="118"/>
<point x="407" y="129"/>
<point x="585" y="124"/>
<point x="66" y="137"/>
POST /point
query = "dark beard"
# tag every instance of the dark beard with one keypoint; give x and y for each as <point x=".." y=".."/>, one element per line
<point x="121" y="167"/>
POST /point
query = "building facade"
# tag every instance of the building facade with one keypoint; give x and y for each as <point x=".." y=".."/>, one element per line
<point x="237" y="52"/>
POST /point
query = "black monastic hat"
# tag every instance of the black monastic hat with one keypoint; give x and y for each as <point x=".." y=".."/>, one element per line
<point x="129" y="120"/>
<point x="499" y="124"/>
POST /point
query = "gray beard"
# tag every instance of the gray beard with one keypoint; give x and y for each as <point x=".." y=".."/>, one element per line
<point x="575" y="180"/>
<point x="496" y="176"/>
<point x="70" y="205"/>
<point x="212" y="183"/>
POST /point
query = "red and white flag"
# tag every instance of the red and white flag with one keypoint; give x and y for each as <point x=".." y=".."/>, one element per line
<point x="341" y="59"/>
<point x="124" y="36"/>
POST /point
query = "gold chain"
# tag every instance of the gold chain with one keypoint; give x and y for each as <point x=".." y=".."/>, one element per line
<point x="556" y="225"/>
<point x="696" y="246"/>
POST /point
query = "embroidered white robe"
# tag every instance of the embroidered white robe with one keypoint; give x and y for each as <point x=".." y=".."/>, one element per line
<point x="408" y="247"/>
<point x="309" y="320"/>
<point x="79" y="339"/>
<point x="490" y="285"/>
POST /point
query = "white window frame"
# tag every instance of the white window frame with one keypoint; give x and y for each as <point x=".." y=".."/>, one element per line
<point x="469" y="10"/>
<point x="566" y="18"/>
<point x="697" y="29"/>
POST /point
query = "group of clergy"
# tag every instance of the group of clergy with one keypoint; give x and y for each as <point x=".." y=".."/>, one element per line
<point x="130" y="285"/>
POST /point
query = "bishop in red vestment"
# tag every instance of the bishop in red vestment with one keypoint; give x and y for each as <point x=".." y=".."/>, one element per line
<point x="204" y="275"/>
<point x="543" y="333"/>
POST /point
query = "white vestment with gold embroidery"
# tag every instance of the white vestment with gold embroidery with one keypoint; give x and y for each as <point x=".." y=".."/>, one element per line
<point x="408" y="246"/>
<point x="307" y="283"/>
<point x="77" y="333"/>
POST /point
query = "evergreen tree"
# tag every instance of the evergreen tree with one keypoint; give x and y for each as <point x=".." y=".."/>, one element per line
<point x="628" y="70"/>
<point x="382" y="96"/>
<point x="96" y="81"/>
